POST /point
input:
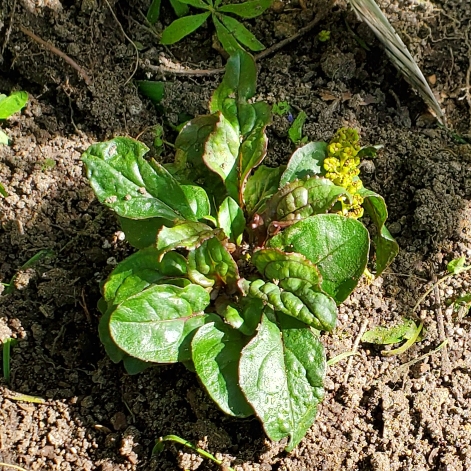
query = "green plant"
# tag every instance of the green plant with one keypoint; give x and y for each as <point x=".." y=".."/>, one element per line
<point x="324" y="36"/>
<point x="295" y="132"/>
<point x="10" y="105"/>
<point x="238" y="270"/>
<point x="6" y="353"/>
<point x="153" y="13"/>
<point x="231" y="33"/>
<point x="281" y="108"/>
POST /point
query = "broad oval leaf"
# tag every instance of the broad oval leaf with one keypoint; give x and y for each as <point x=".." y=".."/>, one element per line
<point x="216" y="350"/>
<point x="260" y="186"/>
<point x="132" y="187"/>
<point x="386" y="246"/>
<point x="182" y="27"/>
<point x="281" y="373"/>
<point x="133" y="275"/>
<point x="305" y="162"/>
<point x="337" y="245"/>
<point x="231" y="219"/>
<point x="241" y="33"/>
<point x="158" y="324"/>
<point x="249" y="9"/>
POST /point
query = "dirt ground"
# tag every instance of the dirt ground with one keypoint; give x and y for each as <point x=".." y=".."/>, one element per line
<point x="377" y="415"/>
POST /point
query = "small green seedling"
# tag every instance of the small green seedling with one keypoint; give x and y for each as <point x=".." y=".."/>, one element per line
<point x="152" y="90"/>
<point x="159" y="447"/>
<point x="9" y="105"/>
<point x="232" y="34"/>
<point x="406" y="330"/>
<point x="153" y="14"/>
<point x="324" y="36"/>
<point x="6" y="353"/>
<point x="32" y="262"/>
<point x="281" y="108"/>
<point x="295" y="132"/>
<point x="239" y="265"/>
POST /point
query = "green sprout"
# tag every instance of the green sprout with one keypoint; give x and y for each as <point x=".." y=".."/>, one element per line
<point x="281" y="108"/>
<point x="324" y="36"/>
<point x="6" y="353"/>
<point x="10" y="105"/>
<point x="232" y="34"/>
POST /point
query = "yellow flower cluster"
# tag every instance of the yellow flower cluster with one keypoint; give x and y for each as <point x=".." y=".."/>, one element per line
<point x="341" y="166"/>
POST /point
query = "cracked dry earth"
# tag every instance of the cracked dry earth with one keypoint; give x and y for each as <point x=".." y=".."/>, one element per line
<point x="380" y="413"/>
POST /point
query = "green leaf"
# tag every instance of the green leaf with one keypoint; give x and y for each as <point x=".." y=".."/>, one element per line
<point x="112" y="350"/>
<point x="216" y="349"/>
<point x="132" y="187"/>
<point x="338" y="245"/>
<point x="196" y="3"/>
<point x="249" y="9"/>
<point x="133" y="366"/>
<point x="10" y="105"/>
<point x="295" y="298"/>
<point x="457" y="265"/>
<point x="158" y="324"/>
<point x="150" y="89"/>
<point x="153" y="12"/>
<point x="198" y="200"/>
<point x="221" y="152"/>
<point x="133" y="275"/>
<point x="369" y="152"/>
<point x="385" y="245"/>
<point x="4" y="138"/>
<point x="388" y="335"/>
<point x="227" y="40"/>
<point x="239" y="81"/>
<point x="187" y="235"/>
<point x="183" y="27"/>
<point x="281" y="373"/>
<point x="277" y="265"/>
<point x="260" y="186"/>
<point x="240" y="33"/>
<point x="243" y="316"/>
<point x="302" y="198"/>
<point x="295" y="132"/>
<point x="231" y="220"/>
<point x="179" y="7"/>
<point x="141" y="233"/>
<point x="3" y="192"/>
<point x="211" y="263"/>
<point x="306" y="161"/>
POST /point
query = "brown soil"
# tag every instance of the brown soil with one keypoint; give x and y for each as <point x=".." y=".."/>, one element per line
<point x="376" y="415"/>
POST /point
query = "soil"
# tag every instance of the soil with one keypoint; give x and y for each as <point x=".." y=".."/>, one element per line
<point x="377" y="414"/>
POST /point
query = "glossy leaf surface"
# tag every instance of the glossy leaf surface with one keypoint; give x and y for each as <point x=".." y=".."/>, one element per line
<point x="281" y="374"/>
<point x="157" y="324"/>
<point x="132" y="187"/>
<point x="231" y="219"/>
<point x="216" y="350"/>
<point x="338" y="245"/>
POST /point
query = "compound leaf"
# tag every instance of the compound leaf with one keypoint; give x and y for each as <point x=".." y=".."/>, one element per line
<point x="216" y="350"/>
<point x="337" y="245"/>
<point x="281" y="373"/>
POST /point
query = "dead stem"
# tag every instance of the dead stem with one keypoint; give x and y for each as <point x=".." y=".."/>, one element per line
<point x="363" y="327"/>
<point x="54" y="50"/>
<point x="446" y="366"/>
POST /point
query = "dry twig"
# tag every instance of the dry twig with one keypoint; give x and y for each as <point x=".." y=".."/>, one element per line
<point x="363" y="327"/>
<point x="62" y="55"/>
